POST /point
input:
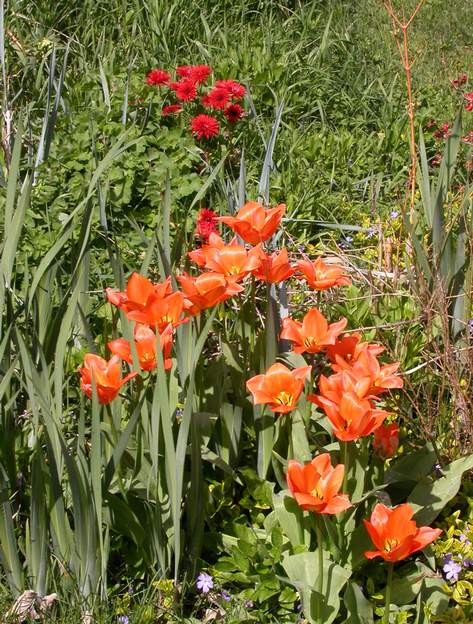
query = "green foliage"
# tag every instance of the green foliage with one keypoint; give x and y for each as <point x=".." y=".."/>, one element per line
<point x="95" y="185"/>
<point x="455" y="547"/>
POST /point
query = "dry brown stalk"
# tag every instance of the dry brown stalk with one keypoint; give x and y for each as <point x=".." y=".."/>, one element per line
<point x="400" y="32"/>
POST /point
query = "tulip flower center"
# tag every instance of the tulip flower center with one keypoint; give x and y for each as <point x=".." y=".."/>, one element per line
<point x="167" y="319"/>
<point x="390" y="544"/>
<point x="317" y="493"/>
<point x="234" y="270"/>
<point x="284" y="398"/>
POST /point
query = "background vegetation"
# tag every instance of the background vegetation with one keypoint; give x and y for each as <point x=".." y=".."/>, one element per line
<point x="85" y="165"/>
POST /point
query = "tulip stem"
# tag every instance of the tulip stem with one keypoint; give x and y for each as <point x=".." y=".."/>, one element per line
<point x="345" y="457"/>
<point x="320" y="577"/>
<point x="389" y="582"/>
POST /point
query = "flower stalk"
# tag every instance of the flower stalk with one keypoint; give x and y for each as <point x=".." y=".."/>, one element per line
<point x="387" y="604"/>
<point x="320" y="576"/>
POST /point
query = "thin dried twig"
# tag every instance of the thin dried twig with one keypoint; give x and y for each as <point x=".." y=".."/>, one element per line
<point x="402" y="42"/>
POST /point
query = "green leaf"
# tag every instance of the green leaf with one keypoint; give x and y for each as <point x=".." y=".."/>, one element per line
<point x="413" y="466"/>
<point x="359" y="609"/>
<point x="294" y="522"/>
<point x="419" y="578"/>
<point x="431" y="494"/>
<point x="302" y="570"/>
<point x="9" y="552"/>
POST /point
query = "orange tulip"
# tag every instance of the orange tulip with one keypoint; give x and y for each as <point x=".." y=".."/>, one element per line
<point x="395" y="534"/>
<point x="253" y="223"/>
<point x="206" y="290"/>
<point x="148" y="303"/>
<point x="348" y="347"/>
<point x="279" y="387"/>
<point x="274" y="268"/>
<point x="315" y="485"/>
<point x="386" y="440"/>
<point x="313" y="334"/>
<point x="138" y="291"/>
<point x="161" y="311"/>
<point x="351" y="416"/>
<point x="335" y="386"/>
<point x="199" y="256"/>
<point x="107" y="377"/>
<point x="145" y="342"/>
<point x="232" y="260"/>
<point x="321" y="276"/>
<point x="383" y="378"/>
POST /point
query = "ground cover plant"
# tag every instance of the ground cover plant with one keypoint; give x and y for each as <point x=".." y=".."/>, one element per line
<point x="236" y="313"/>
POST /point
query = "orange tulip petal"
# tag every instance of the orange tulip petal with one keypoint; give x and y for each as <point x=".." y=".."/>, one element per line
<point x="425" y="536"/>
<point x="139" y="288"/>
<point x="337" y="504"/>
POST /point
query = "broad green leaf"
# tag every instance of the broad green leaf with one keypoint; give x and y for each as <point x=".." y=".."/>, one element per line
<point x="413" y="466"/>
<point x="431" y="494"/>
<point x="417" y="578"/>
<point x="302" y="570"/>
<point x="360" y="610"/>
<point x="9" y="552"/>
<point x="294" y="522"/>
<point x="299" y="442"/>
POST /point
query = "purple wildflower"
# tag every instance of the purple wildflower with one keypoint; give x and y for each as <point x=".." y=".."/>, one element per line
<point x="204" y="582"/>
<point x="249" y="604"/>
<point x="464" y="540"/>
<point x="123" y="619"/>
<point x="370" y="232"/>
<point x="346" y="242"/>
<point x="225" y="595"/>
<point x="451" y="569"/>
<point x="394" y="214"/>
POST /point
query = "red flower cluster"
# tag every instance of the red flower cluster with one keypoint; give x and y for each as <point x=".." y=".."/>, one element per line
<point x="468" y="101"/>
<point x="458" y="82"/>
<point x="185" y="90"/>
<point x="442" y="132"/>
<point x="157" y="77"/>
<point x="204" y="126"/>
<point x="222" y="97"/>
<point x="171" y="109"/>
<point x="206" y="224"/>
